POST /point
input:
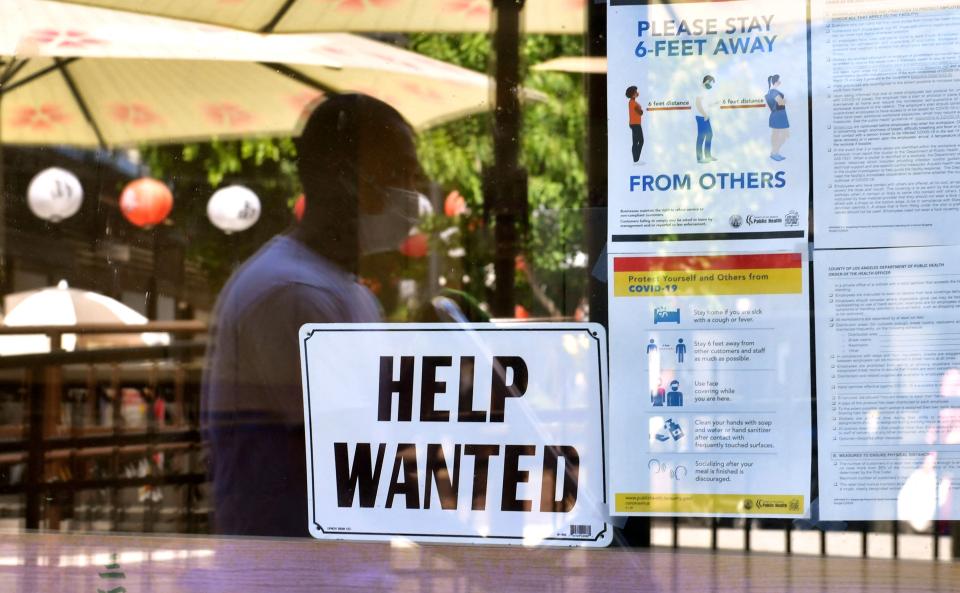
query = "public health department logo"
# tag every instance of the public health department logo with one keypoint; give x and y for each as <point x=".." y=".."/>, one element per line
<point x="795" y="505"/>
<point x="791" y="218"/>
<point x="736" y="221"/>
<point x="747" y="504"/>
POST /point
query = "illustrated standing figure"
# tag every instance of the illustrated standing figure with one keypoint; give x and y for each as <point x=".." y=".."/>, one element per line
<point x="779" y="125"/>
<point x="636" y="119"/>
<point x="703" y="106"/>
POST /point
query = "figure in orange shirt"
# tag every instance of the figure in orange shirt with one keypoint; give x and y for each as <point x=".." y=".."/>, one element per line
<point x="636" y="118"/>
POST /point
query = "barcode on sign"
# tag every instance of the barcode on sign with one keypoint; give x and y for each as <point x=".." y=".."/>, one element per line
<point x="580" y="530"/>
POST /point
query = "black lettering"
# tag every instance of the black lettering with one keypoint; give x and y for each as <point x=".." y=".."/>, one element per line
<point x="430" y="387"/>
<point x="403" y="387"/>
<point x="571" y="471"/>
<point x="448" y="489"/>
<point x="499" y="390"/>
<point x="407" y="457"/>
<point x="360" y="474"/>
<point x="513" y="475"/>
<point x="481" y="464"/>
<point x="466" y="413"/>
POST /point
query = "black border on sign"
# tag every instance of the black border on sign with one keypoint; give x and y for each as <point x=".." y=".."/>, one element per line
<point x="603" y="440"/>
<point x="745" y="236"/>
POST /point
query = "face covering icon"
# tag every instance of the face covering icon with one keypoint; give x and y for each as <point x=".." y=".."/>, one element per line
<point x="386" y="230"/>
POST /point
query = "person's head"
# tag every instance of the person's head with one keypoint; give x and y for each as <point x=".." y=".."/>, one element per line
<point x="356" y="158"/>
<point x="632" y="92"/>
<point x="680" y="340"/>
<point x="773" y="81"/>
<point x="674" y="385"/>
<point x="708" y="81"/>
<point x="651" y="340"/>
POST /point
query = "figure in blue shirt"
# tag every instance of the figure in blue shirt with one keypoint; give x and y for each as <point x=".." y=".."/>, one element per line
<point x="779" y="124"/>
<point x="681" y="349"/>
<point x="674" y="396"/>
<point x="652" y="346"/>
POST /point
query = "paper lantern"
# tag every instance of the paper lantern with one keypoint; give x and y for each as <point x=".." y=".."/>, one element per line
<point x="233" y="208"/>
<point x="300" y="206"/>
<point x="424" y="207"/>
<point x="146" y="202"/>
<point x="415" y="246"/>
<point x="454" y="204"/>
<point x="520" y="312"/>
<point x="54" y="194"/>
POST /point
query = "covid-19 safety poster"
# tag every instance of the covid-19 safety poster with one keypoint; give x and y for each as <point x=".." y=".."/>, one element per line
<point x="707" y="119"/>
<point x="710" y="384"/>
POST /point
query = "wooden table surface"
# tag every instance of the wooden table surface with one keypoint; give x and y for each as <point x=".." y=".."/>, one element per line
<point x="40" y="563"/>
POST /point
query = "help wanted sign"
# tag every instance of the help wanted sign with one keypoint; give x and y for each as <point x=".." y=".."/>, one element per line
<point x="478" y="433"/>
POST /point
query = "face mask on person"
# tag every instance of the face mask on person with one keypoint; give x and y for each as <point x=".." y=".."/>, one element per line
<point x="386" y="230"/>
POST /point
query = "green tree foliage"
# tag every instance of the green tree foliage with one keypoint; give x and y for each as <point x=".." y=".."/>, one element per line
<point x="553" y="145"/>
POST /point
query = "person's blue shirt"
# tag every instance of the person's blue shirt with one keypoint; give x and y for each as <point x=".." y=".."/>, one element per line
<point x="252" y="401"/>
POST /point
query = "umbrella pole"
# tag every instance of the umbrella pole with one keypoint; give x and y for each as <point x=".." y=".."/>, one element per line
<point x="636" y="531"/>
<point x="5" y="279"/>
<point x="4" y="268"/>
<point x="596" y="214"/>
<point x="153" y="284"/>
<point x="507" y="188"/>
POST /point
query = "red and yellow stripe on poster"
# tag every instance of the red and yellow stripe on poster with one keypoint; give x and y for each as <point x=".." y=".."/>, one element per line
<point x="705" y="275"/>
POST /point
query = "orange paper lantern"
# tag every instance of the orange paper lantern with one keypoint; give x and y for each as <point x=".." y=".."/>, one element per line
<point x="415" y="246"/>
<point x="299" y="207"/>
<point x="454" y="204"/>
<point x="146" y="202"/>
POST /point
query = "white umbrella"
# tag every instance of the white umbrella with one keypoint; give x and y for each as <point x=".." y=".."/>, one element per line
<point x="575" y="64"/>
<point x="298" y="16"/>
<point x="65" y="306"/>
<point x="88" y="76"/>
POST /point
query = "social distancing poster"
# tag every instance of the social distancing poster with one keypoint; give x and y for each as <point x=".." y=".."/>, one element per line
<point x="457" y="433"/>
<point x="707" y="118"/>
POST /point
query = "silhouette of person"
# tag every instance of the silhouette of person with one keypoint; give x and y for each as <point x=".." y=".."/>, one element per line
<point x="358" y="166"/>
<point x="652" y="346"/>
<point x="635" y="117"/>
<point x="674" y="396"/>
<point x="681" y="349"/>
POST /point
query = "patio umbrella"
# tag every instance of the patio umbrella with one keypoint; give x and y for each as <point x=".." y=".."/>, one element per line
<point x="62" y="305"/>
<point x="297" y="16"/>
<point x="93" y="77"/>
<point x="574" y="64"/>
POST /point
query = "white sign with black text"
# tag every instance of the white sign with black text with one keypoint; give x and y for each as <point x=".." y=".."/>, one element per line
<point x="473" y="433"/>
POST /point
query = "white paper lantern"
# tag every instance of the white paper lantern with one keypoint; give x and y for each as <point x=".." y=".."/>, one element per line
<point x="424" y="207"/>
<point x="233" y="208"/>
<point x="54" y="194"/>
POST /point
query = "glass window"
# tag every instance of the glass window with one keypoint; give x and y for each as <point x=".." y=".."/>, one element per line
<point x="467" y="290"/>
